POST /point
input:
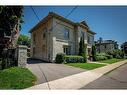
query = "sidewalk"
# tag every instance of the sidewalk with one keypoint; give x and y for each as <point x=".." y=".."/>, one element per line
<point x="79" y="80"/>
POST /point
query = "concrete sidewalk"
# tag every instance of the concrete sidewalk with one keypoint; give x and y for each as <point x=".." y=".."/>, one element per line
<point x="78" y="81"/>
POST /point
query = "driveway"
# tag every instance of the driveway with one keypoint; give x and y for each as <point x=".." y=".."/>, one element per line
<point x="51" y="71"/>
<point x="117" y="79"/>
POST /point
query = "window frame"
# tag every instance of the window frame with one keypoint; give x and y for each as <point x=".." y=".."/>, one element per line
<point x="66" y="33"/>
<point x="67" y="50"/>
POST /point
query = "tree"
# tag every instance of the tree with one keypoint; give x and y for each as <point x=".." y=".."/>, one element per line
<point x="81" y="46"/>
<point x="82" y="49"/>
<point x="94" y="56"/>
<point x="10" y="26"/>
<point x="24" y="40"/>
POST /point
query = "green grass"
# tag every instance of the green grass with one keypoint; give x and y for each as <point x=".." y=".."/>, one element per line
<point x="88" y="66"/>
<point x="110" y="61"/>
<point x="16" y="78"/>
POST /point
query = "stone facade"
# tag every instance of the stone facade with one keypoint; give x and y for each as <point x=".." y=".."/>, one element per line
<point x="56" y="34"/>
<point x="22" y="55"/>
<point x="103" y="46"/>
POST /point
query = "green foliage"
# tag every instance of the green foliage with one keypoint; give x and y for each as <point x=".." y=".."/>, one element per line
<point x="74" y="59"/>
<point x="81" y="46"/>
<point x="94" y="56"/>
<point x="82" y="49"/>
<point x="60" y="58"/>
<point x="103" y="56"/>
<point x="116" y="53"/>
<point x="11" y="16"/>
<point x="16" y="78"/>
<point x="24" y="40"/>
<point x="88" y="66"/>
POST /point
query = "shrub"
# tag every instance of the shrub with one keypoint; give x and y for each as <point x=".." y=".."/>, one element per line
<point x="101" y="58"/>
<point x="74" y="59"/>
<point x="94" y="56"/>
<point x="109" y="56"/>
<point x="59" y="58"/>
<point x="116" y="54"/>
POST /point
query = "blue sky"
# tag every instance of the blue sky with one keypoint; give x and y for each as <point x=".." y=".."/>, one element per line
<point x="108" y="22"/>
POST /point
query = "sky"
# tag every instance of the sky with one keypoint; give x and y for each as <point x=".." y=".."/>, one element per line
<point x="109" y="22"/>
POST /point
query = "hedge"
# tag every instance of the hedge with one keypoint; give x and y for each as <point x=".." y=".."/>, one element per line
<point x="74" y="59"/>
<point x="103" y="56"/>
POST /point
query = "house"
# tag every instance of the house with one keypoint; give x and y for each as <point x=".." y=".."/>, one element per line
<point x="124" y="48"/>
<point x="103" y="46"/>
<point x="56" y="34"/>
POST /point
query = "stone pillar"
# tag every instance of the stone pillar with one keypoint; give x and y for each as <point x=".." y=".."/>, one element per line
<point x="22" y="56"/>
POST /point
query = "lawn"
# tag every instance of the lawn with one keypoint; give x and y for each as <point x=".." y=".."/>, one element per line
<point x="110" y="61"/>
<point x="16" y="78"/>
<point x="88" y="66"/>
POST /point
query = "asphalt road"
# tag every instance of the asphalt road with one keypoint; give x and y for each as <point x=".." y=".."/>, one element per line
<point x="116" y="79"/>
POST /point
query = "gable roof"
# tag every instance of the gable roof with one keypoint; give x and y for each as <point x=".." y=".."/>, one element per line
<point x="52" y="14"/>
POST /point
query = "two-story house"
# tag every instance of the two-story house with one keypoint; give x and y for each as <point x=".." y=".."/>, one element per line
<point x="103" y="46"/>
<point x="56" y="34"/>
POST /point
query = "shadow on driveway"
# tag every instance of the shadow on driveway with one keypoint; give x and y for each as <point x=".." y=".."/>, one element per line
<point x="35" y="61"/>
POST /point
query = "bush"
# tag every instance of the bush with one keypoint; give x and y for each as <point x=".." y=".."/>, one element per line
<point x="116" y="54"/>
<point x="74" y="59"/>
<point x="103" y="56"/>
<point x="99" y="58"/>
<point x="109" y="56"/>
<point x="60" y="58"/>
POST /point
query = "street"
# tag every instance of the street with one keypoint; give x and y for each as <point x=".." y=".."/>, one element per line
<point x="116" y="79"/>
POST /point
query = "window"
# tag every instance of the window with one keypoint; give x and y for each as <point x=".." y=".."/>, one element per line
<point x="82" y="34"/>
<point x="67" y="50"/>
<point x="88" y="40"/>
<point x="66" y="33"/>
<point x="44" y="32"/>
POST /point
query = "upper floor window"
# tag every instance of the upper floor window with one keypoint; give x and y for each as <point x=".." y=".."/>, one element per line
<point x="83" y="34"/>
<point x="44" y="32"/>
<point x="90" y="39"/>
<point x="66" y="33"/>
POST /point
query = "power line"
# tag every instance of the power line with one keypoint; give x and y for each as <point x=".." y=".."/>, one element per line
<point x="35" y="13"/>
<point x="38" y="65"/>
<point x="71" y="11"/>
<point x="51" y="29"/>
<point x="66" y="16"/>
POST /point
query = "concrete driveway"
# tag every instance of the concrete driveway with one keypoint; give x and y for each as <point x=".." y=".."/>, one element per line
<point x="51" y="71"/>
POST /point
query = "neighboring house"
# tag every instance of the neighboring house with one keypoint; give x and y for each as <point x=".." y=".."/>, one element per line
<point x="124" y="47"/>
<point x="56" y="34"/>
<point x="105" y="45"/>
